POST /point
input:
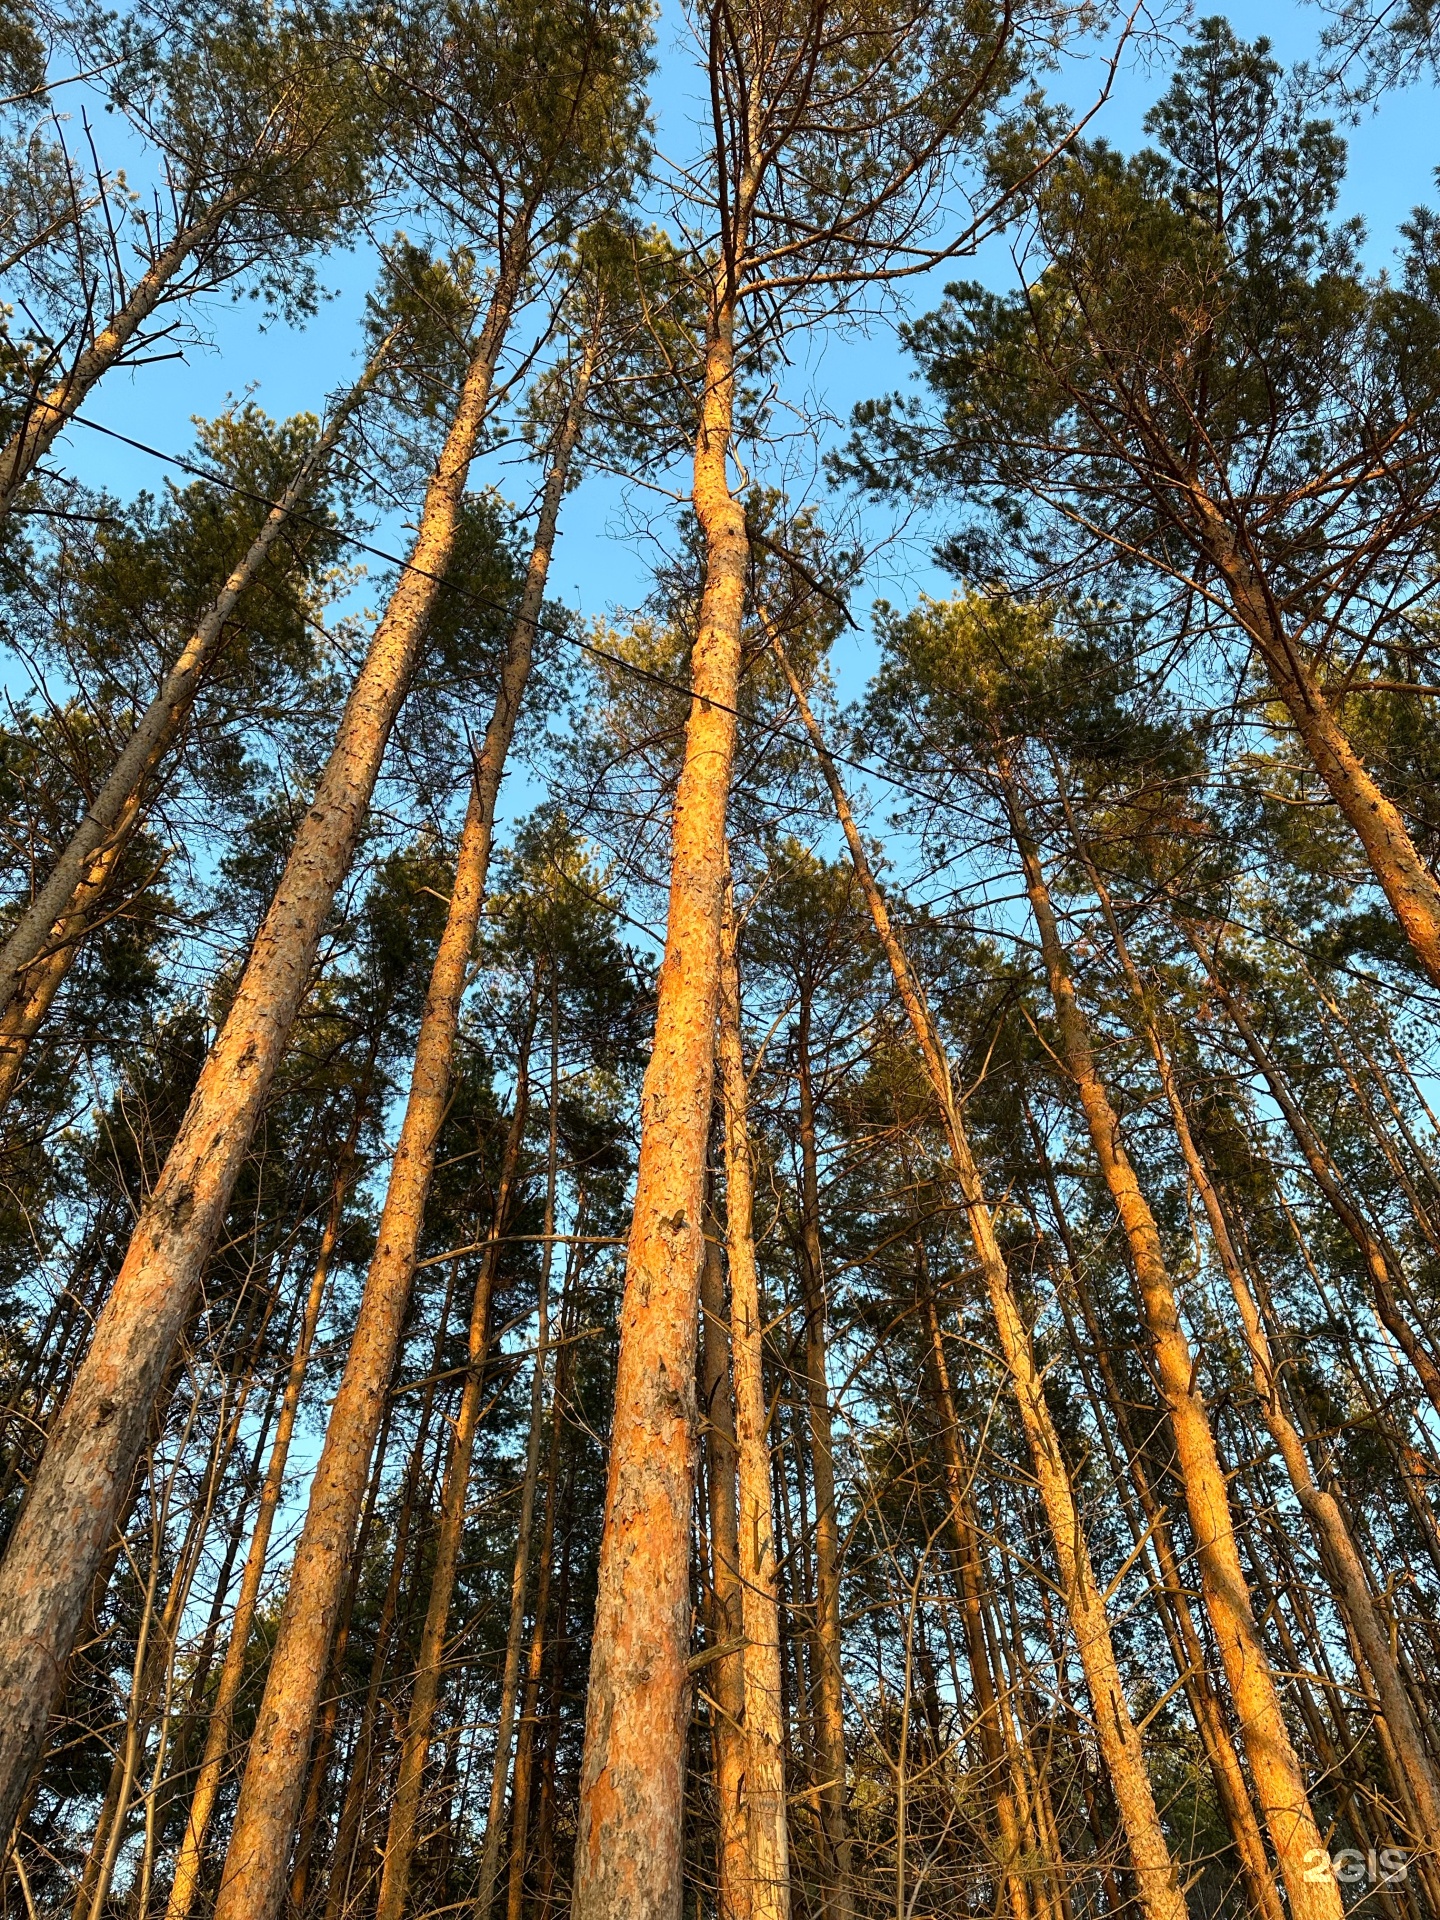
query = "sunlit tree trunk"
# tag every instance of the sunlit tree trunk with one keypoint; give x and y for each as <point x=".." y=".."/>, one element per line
<point x="1157" y="1879"/>
<point x="93" y="1446"/>
<point x="767" y="1831"/>
<point x="629" y="1853"/>
<point x="1416" y="1775"/>
<point x="1274" y="1763"/>
<point x="264" y="1824"/>
<point x="1408" y="883"/>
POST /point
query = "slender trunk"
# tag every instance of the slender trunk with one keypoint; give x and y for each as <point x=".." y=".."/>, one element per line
<point x="96" y="1440"/>
<point x="762" y="1685"/>
<point x="1416" y="1775"/>
<point x="725" y="1673"/>
<point x="1274" y="1763"/>
<point x="1376" y="1256"/>
<point x="1157" y="1880"/>
<point x="48" y="415"/>
<point x="190" y="1860"/>
<point x="830" y="1690"/>
<point x="403" y="1826"/>
<point x="1171" y="1589"/>
<point x="1408" y="883"/>
<point x="264" y="1823"/>
<point x="50" y="930"/>
<point x="414" y="1161"/>
<point x="520" y="1576"/>
<point x="1000" y="1764"/>
<point x="629" y="1845"/>
<point x="539" y="1633"/>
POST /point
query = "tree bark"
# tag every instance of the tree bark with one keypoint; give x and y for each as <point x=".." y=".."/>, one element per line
<point x="520" y="1576"/>
<point x="264" y="1824"/>
<point x="725" y="1673"/>
<point x="88" y="1463"/>
<point x="629" y="1851"/>
<point x="1157" y="1879"/>
<point x="762" y="1686"/>
<point x="830" y="1688"/>
<point x="1338" y="1551"/>
<point x="1408" y="883"/>
<point x="1274" y="1763"/>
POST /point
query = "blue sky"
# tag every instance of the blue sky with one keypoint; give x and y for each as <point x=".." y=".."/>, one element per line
<point x="601" y="565"/>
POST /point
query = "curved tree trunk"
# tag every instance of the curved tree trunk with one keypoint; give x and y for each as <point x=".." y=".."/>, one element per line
<point x="628" y="1851"/>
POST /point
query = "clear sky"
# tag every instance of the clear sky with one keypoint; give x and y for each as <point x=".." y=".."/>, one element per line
<point x="601" y="566"/>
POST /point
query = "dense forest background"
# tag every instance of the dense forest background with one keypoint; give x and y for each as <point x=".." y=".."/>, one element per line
<point x="719" y="953"/>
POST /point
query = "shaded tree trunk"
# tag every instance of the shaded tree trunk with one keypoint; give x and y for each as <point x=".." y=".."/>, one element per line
<point x="762" y="1684"/>
<point x="96" y="1440"/>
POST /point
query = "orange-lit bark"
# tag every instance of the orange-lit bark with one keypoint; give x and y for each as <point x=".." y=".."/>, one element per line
<point x="253" y="1881"/>
<point x="1274" y="1764"/>
<point x="628" y="1852"/>
<point x="1157" y="1879"/>
<point x="1409" y="885"/>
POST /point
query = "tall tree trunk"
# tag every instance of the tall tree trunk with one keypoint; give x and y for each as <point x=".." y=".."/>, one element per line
<point x="190" y="1860"/>
<point x="1158" y="1884"/>
<point x="725" y="1673"/>
<point x="96" y="1440"/>
<point x="829" y="1671"/>
<point x="50" y="930"/>
<point x="629" y="1848"/>
<point x="1416" y="1774"/>
<point x="264" y="1823"/>
<point x="762" y="1686"/>
<point x="540" y="1640"/>
<point x="1000" y="1763"/>
<point x="1171" y="1589"/>
<point x="410" y="1179"/>
<point x="520" y="1575"/>
<point x="1408" y="883"/>
<point x="1274" y="1763"/>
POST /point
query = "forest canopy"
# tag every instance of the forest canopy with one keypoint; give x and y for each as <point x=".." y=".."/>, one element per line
<point x="758" y="1240"/>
